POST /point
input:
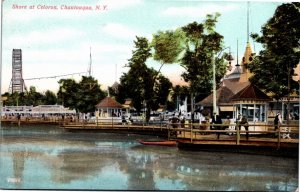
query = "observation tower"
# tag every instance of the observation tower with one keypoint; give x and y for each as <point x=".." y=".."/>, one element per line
<point x="17" y="81"/>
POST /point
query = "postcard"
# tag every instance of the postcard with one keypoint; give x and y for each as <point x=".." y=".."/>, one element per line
<point x="148" y="95"/>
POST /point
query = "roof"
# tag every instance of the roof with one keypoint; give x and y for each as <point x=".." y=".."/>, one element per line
<point x="109" y="102"/>
<point x="235" y="86"/>
<point x="251" y="92"/>
<point x="223" y="96"/>
<point x="224" y="93"/>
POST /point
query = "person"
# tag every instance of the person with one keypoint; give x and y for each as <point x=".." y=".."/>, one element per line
<point x="226" y="123"/>
<point x="182" y="122"/>
<point x="277" y="122"/>
<point x="218" y="121"/>
<point x="244" y="122"/>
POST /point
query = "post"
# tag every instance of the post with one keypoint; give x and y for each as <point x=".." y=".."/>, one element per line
<point x="168" y="131"/>
<point x="191" y="127"/>
<point x="289" y="97"/>
<point x="237" y="134"/>
<point x="214" y="86"/>
<point x="215" y="110"/>
<point x="279" y="135"/>
<point x="192" y="104"/>
<point x="97" y="121"/>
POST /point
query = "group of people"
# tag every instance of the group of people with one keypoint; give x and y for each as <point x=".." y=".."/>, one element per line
<point x="241" y="121"/>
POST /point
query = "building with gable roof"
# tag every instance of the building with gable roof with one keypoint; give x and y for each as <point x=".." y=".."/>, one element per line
<point x="236" y="95"/>
<point x="109" y="110"/>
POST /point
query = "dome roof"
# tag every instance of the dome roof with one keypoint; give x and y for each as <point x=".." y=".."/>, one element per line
<point x="109" y="102"/>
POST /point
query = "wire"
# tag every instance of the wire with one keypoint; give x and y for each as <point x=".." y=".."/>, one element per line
<point x="55" y="76"/>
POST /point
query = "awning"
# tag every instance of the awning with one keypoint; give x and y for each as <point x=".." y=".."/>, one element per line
<point x="226" y="108"/>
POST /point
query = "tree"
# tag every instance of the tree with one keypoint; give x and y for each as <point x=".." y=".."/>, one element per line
<point x="132" y="84"/>
<point x="82" y="96"/>
<point x="193" y="46"/>
<point x="167" y="46"/>
<point x="163" y="89"/>
<point x="202" y="41"/>
<point x="89" y="94"/>
<point x="68" y="93"/>
<point x="50" y="98"/>
<point x="145" y="86"/>
<point x="33" y="97"/>
<point x="273" y="68"/>
<point x="179" y="93"/>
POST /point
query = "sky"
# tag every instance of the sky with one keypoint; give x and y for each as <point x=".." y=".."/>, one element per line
<point x="60" y="41"/>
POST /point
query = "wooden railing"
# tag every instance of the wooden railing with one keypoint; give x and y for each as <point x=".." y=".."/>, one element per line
<point x="191" y="131"/>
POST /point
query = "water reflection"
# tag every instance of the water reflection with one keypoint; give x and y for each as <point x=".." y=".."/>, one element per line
<point x="34" y="159"/>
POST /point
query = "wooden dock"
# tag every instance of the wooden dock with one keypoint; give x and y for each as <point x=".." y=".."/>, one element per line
<point x="192" y="137"/>
<point x="199" y="136"/>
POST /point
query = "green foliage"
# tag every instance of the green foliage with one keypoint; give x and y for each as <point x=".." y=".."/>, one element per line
<point x="132" y="84"/>
<point x="30" y="98"/>
<point x="202" y="41"/>
<point x="50" y="98"/>
<point x="67" y="94"/>
<point x="167" y="46"/>
<point x="193" y="46"/>
<point x="274" y="67"/>
<point x="143" y="85"/>
<point x="82" y="96"/>
<point x="163" y="89"/>
<point x="178" y="94"/>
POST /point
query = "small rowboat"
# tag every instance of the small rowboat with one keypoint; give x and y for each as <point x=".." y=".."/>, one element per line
<point x="162" y="143"/>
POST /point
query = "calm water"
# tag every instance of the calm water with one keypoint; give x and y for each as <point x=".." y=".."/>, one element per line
<point x="35" y="157"/>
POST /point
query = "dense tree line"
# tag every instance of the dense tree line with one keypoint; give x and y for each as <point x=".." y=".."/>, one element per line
<point x="81" y="96"/>
<point x="30" y="98"/>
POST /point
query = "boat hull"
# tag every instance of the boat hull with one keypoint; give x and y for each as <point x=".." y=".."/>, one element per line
<point x="286" y="149"/>
<point x="161" y="143"/>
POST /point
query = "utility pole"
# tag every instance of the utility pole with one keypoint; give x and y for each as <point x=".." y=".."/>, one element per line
<point x="90" y="64"/>
<point x="214" y="86"/>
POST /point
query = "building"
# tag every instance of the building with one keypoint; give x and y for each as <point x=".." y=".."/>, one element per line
<point x="108" y="110"/>
<point x="37" y="110"/>
<point x="236" y="95"/>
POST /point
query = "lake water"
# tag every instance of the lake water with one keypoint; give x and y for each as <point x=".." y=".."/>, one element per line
<point x="47" y="157"/>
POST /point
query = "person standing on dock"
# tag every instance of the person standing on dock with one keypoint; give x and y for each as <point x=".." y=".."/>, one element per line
<point x="218" y="126"/>
<point x="277" y="122"/>
<point x="244" y="122"/>
<point x="19" y="119"/>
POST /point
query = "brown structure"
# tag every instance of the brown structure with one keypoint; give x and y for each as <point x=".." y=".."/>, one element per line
<point x="252" y="103"/>
<point x="231" y="85"/>
<point x="109" y="102"/>
<point x="249" y="93"/>
<point x="109" y="107"/>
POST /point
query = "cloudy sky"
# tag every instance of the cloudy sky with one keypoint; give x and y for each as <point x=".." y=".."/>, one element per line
<point x="57" y="42"/>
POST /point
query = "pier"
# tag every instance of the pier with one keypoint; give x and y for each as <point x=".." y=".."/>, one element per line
<point x="193" y="136"/>
<point x="200" y="137"/>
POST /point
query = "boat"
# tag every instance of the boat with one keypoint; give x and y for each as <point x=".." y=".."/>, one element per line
<point x="162" y="143"/>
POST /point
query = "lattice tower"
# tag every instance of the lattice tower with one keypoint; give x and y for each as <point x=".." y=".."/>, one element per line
<point x="17" y="81"/>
